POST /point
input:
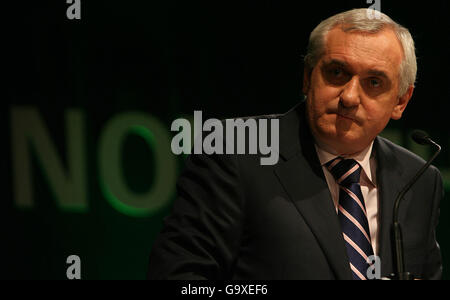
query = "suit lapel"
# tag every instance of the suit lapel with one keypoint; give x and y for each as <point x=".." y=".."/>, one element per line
<point x="389" y="182"/>
<point x="311" y="197"/>
<point x="302" y="177"/>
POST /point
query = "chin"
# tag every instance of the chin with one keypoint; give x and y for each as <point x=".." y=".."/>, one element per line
<point x="344" y="142"/>
<point x="351" y="138"/>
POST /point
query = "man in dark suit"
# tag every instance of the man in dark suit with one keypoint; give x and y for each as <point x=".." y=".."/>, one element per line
<point x="326" y="207"/>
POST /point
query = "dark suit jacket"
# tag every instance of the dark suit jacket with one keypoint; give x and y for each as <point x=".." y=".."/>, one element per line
<point x="236" y="219"/>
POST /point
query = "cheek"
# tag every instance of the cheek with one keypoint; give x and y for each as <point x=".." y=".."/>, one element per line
<point x="378" y="109"/>
<point x="378" y="116"/>
<point x="325" y="97"/>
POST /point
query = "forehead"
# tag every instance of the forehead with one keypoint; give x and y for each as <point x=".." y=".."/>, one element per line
<point x="364" y="51"/>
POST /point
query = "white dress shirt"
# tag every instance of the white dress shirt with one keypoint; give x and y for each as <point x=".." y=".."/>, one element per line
<point x="366" y="159"/>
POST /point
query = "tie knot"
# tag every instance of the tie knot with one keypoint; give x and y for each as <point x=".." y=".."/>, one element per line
<point x="345" y="171"/>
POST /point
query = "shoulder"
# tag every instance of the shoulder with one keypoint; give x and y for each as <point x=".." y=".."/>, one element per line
<point x="289" y="117"/>
<point x="395" y="156"/>
<point x="401" y="153"/>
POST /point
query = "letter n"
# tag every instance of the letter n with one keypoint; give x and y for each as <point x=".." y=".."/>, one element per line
<point x="28" y="131"/>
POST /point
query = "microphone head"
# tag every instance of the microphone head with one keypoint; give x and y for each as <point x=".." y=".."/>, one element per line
<point x="420" y="137"/>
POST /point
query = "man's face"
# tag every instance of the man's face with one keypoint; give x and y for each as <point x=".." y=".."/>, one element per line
<point x="353" y="89"/>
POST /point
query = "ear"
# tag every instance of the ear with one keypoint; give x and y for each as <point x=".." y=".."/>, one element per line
<point x="306" y="80"/>
<point x="402" y="103"/>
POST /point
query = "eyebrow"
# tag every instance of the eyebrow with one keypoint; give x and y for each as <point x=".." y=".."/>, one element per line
<point x="336" y="62"/>
<point x="378" y="73"/>
<point x="344" y="64"/>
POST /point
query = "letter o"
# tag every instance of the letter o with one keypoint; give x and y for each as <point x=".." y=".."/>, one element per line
<point x="111" y="178"/>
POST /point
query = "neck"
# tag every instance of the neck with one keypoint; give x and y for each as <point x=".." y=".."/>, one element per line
<point x="337" y="151"/>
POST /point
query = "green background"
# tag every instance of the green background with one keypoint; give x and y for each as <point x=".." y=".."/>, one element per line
<point x="167" y="59"/>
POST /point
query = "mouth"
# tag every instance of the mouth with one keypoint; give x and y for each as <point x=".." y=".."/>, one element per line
<point x="346" y="117"/>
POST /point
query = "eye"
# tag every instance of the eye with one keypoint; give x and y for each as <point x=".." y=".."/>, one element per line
<point x="374" y="82"/>
<point x="336" y="72"/>
<point x="335" y="75"/>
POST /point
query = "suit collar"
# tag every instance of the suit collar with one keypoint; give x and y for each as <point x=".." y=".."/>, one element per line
<point x="363" y="158"/>
<point x="390" y="181"/>
<point x="301" y="167"/>
<point x="302" y="177"/>
<point x="290" y="127"/>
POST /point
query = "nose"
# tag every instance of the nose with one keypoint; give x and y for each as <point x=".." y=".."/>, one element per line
<point x="350" y="94"/>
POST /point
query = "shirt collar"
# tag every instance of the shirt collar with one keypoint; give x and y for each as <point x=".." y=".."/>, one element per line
<point x="363" y="158"/>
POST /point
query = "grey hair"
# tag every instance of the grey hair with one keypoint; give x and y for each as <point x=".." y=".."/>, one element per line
<point x="368" y="21"/>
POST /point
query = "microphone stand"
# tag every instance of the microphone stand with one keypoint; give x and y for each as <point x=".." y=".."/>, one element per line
<point x="401" y="274"/>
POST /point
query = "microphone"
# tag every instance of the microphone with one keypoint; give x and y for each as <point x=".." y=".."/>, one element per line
<point x="421" y="138"/>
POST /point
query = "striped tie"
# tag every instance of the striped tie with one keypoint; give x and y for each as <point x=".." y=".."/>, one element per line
<point x="352" y="214"/>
